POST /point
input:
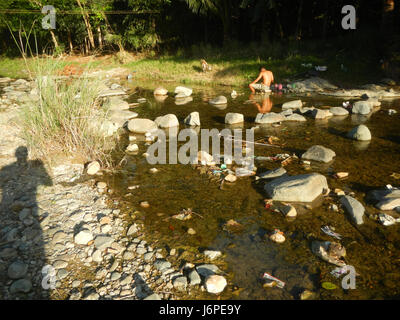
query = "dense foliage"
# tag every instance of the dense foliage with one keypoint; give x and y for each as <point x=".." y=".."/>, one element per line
<point x="87" y="26"/>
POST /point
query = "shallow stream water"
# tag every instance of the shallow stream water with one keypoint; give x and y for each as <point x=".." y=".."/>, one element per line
<point x="373" y="249"/>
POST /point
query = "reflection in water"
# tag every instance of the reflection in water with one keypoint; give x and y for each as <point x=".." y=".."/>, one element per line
<point x="266" y="103"/>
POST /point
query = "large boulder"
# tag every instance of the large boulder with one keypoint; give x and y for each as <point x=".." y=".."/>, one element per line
<point x="219" y="100"/>
<point x="193" y="119"/>
<point x="360" y="133"/>
<point x="272" y="117"/>
<point x="301" y="188"/>
<point x="362" y="107"/>
<point x="139" y="125"/>
<point x="232" y="118"/>
<point x="339" y="111"/>
<point x="295" y="104"/>
<point x="167" y="121"/>
<point x="319" y="153"/>
<point x="183" y="91"/>
<point x="354" y="208"/>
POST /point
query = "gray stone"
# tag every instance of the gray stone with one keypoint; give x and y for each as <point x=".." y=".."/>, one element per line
<point x="167" y="121"/>
<point x="388" y="204"/>
<point x="17" y="270"/>
<point x="132" y="230"/>
<point x="360" y="133"/>
<point x="301" y="188"/>
<point x="295" y="117"/>
<point x="161" y="265"/>
<point x="319" y="153"/>
<point x="102" y="242"/>
<point x="21" y="286"/>
<point x="272" y="174"/>
<point x="62" y="273"/>
<point x="362" y="107"/>
<point x="194" y="278"/>
<point x="153" y="296"/>
<point x="183" y="91"/>
<point x="271" y="117"/>
<point x="115" y="276"/>
<point x="148" y="256"/>
<point x="180" y="283"/>
<point x="139" y="125"/>
<point x="232" y="118"/>
<point x="212" y="254"/>
<point x="295" y="104"/>
<point x="320" y="114"/>
<point x="354" y="208"/>
<point x="207" y="269"/>
<point x="193" y="119"/>
<point x="219" y="100"/>
<point x="338" y="111"/>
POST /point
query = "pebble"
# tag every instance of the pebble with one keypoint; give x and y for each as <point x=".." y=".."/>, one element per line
<point x="211" y="254"/>
<point x="93" y="168"/>
<point x="101" y="185"/>
<point x="144" y="204"/>
<point x="215" y="284"/>
<point x="115" y="276"/>
<point x="230" y="178"/>
<point x="277" y="237"/>
<point x="83" y="237"/>
<point x="17" y="270"/>
<point x="191" y="231"/>
<point x="153" y="170"/>
<point x="180" y="283"/>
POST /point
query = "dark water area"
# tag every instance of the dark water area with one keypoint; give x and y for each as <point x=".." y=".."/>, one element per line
<point x="373" y="249"/>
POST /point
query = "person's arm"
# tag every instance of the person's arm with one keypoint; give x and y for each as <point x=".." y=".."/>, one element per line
<point x="258" y="78"/>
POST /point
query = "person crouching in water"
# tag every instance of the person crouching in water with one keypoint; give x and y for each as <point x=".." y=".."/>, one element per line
<point x="267" y="78"/>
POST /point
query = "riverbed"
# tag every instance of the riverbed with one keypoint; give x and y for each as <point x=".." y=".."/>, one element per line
<point x="373" y="249"/>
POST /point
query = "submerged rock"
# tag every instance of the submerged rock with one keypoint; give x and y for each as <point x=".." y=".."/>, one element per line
<point x="319" y="153"/>
<point x="219" y="100"/>
<point x="354" y="208"/>
<point x="271" y="117"/>
<point x="301" y="188"/>
<point x="331" y="252"/>
<point x="275" y="173"/>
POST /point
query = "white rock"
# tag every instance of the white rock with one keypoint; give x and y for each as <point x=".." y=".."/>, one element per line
<point x="83" y="237"/>
<point x="167" y="121"/>
<point x="232" y="118"/>
<point x="295" y="104"/>
<point x="219" y="100"/>
<point x="271" y="117"/>
<point x="193" y="119"/>
<point x="93" y="167"/>
<point x="132" y="148"/>
<point x="160" y="91"/>
<point x="212" y="254"/>
<point x="230" y="178"/>
<point x="139" y="125"/>
<point x="277" y="237"/>
<point x="183" y="91"/>
<point x="215" y="284"/>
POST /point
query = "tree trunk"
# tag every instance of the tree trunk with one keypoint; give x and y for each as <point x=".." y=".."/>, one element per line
<point x="71" y="47"/>
<point x="87" y="24"/>
<point x="298" y="27"/>
<point x="100" y="38"/>
<point x="278" y="22"/>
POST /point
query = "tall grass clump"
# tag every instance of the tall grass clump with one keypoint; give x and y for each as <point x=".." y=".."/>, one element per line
<point x="66" y="118"/>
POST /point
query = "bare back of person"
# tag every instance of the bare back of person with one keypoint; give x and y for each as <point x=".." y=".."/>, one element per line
<point x="267" y="78"/>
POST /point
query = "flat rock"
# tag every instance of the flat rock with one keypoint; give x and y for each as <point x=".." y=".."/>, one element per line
<point x="295" y="117"/>
<point x="232" y="118"/>
<point x="266" y="118"/>
<point x="139" y="125"/>
<point x="301" y="188"/>
<point x="354" y="208"/>
<point x="207" y="269"/>
<point x="295" y="104"/>
<point x="388" y="204"/>
<point x="338" y="111"/>
<point x="103" y="242"/>
<point x="272" y="174"/>
<point x="219" y="100"/>
<point x="319" y="153"/>
<point x="83" y="237"/>
<point x="183" y="91"/>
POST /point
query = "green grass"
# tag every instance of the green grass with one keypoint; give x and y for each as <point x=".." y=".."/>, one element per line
<point x="65" y="119"/>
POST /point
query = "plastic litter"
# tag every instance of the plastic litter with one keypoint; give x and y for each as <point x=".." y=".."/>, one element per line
<point x="387" y="220"/>
<point x="339" y="271"/>
<point x="327" y="230"/>
<point x="273" y="281"/>
<point x="328" y="286"/>
<point x="243" y="172"/>
<point x="321" y="68"/>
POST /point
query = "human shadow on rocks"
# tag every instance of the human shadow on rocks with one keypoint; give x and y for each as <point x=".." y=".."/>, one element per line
<point x="22" y="254"/>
